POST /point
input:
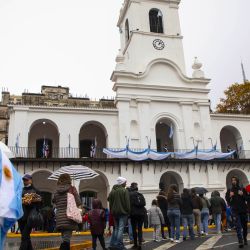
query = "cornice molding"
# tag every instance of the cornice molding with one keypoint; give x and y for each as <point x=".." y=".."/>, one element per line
<point x="160" y="87"/>
<point x="142" y="75"/>
<point x="48" y="109"/>
<point x="235" y="117"/>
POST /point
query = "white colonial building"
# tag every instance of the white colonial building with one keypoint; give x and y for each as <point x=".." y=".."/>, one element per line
<point x="153" y="94"/>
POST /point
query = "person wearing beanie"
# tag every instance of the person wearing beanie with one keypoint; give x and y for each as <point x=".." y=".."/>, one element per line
<point x="119" y="203"/>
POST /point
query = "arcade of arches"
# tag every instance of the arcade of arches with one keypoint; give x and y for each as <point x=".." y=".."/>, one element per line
<point x="100" y="187"/>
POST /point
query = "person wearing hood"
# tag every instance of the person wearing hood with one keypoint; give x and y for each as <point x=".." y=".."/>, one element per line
<point x="119" y="202"/>
<point x="236" y="198"/>
<point x="97" y="222"/>
<point x="217" y="205"/>
<point x="163" y="205"/>
<point x="64" y="224"/>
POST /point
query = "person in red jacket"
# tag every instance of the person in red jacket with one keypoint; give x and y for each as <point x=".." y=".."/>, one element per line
<point x="97" y="222"/>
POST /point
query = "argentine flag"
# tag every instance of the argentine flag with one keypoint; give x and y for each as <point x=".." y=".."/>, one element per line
<point x="11" y="186"/>
<point x="171" y="131"/>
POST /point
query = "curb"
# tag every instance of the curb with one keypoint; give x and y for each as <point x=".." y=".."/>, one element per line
<point x="87" y="233"/>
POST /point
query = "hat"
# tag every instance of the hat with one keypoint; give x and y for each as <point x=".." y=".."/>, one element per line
<point x="121" y="180"/>
<point x="27" y="177"/>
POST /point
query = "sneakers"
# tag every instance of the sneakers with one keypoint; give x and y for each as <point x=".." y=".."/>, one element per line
<point x="177" y="241"/>
<point x="171" y="239"/>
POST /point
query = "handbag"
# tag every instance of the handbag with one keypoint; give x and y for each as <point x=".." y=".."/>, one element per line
<point x="72" y="211"/>
<point x="35" y="218"/>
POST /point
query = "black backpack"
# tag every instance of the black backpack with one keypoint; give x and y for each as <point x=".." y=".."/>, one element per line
<point x="138" y="200"/>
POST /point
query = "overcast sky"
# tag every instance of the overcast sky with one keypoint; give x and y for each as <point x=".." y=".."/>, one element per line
<point x="74" y="43"/>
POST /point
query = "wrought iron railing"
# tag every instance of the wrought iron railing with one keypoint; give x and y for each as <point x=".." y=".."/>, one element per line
<point x="69" y="152"/>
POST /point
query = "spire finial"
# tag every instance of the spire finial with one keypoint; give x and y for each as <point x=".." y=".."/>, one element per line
<point x="243" y="73"/>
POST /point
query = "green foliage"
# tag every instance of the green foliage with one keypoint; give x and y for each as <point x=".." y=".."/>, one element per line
<point x="237" y="99"/>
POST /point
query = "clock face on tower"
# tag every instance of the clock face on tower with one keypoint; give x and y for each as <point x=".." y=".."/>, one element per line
<point x="158" y="44"/>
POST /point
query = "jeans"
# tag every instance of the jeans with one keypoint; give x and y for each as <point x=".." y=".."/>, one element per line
<point x="204" y="219"/>
<point x="130" y="230"/>
<point x="188" y="221"/>
<point x="240" y="222"/>
<point x="217" y="221"/>
<point x="117" y="235"/>
<point x="101" y="239"/>
<point x="156" y="232"/>
<point x="137" y="222"/>
<point x="174" y="216"/>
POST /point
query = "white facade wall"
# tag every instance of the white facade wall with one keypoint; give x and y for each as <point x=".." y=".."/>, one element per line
<point x="151" y="86"/>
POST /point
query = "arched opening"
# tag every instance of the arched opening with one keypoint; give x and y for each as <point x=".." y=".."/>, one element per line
<point x="240" y="175"/>
<point x="165" y="135"/>
<point x="230" y="139"/>
<point x="170" y="178"/>
<point x="43" y="139"/>
<point x="127" y="35"/>
<point x="156" y="21"/>
<point x="92" y="140"/>
<point x="45" y="186"/>
<point x="94" y="188"/>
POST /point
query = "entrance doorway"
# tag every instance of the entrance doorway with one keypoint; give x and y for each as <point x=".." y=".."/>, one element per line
<point x="170" y="178"/>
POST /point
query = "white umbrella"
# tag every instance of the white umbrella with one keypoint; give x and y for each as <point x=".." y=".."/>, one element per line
<point x="6" y="150"/>
<point x="76" y="172"/>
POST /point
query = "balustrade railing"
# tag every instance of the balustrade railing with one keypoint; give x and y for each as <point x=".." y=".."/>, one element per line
<point x="69" y="152"/>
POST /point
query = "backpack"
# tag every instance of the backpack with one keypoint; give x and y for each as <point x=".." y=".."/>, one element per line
<point x="138" y="200"/>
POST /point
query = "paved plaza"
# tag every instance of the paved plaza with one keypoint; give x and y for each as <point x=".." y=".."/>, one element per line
<point x="226" y="241"/>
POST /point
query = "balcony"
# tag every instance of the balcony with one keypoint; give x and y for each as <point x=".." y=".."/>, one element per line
<point x="79" y="153"/>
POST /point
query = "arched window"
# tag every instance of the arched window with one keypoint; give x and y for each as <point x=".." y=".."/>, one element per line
<point x="127" y="30"/>
<point x="155" y="21"/>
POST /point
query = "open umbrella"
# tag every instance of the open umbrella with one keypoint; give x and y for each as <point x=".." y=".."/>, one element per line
<point x="200" y="190"/>
<point x="6" y="150"/>
<point x="76" y="172"/>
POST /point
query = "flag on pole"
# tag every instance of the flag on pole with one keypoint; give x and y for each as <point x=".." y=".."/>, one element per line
<point x="11" y="186"/>
<point x="171" y="131"/>
<point x="93" y="148"/>
<point x="17" y="143"/>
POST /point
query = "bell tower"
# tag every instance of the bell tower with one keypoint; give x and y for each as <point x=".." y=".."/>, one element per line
<point x="150" y="78"/>
<point x="149" y="30"/>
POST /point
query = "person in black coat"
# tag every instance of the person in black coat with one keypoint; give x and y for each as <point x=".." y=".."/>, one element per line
<point x="28" y="206"/>
<point x="236" y="197"/>
<point x="187" y="214"/>
<point x="163" y="205"/>
<point x="137" y="214"/>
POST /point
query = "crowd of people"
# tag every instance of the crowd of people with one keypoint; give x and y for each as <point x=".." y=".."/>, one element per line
<point x="127" y="210"/>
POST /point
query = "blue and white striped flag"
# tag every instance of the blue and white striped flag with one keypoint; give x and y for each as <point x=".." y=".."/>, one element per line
<point x="171" y="131"/>
<point x="11" y="186"/>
